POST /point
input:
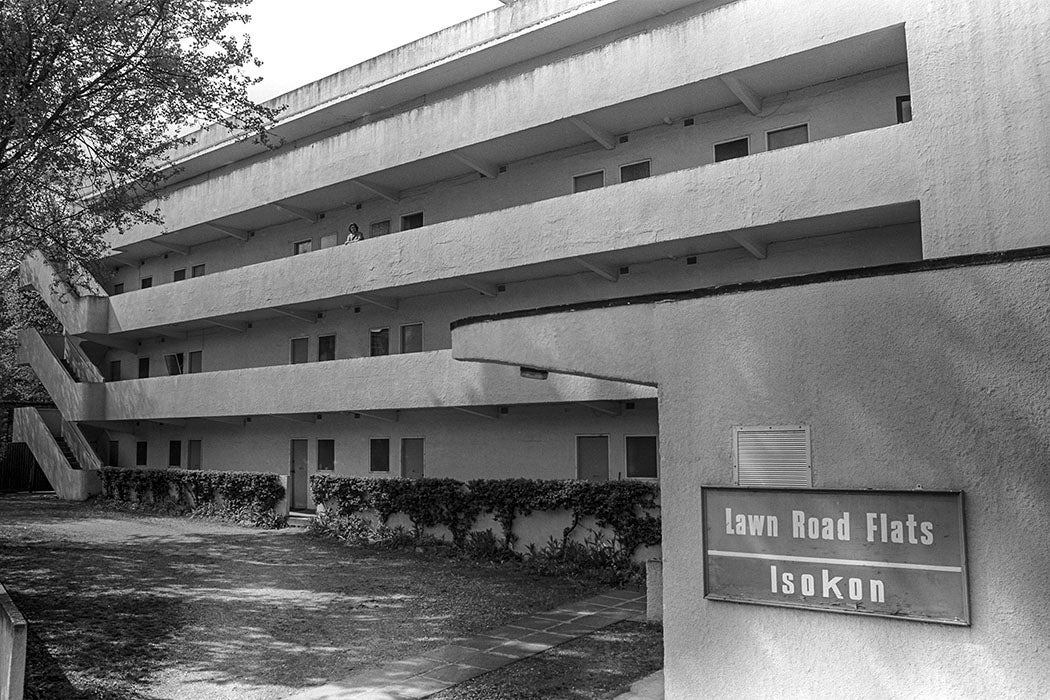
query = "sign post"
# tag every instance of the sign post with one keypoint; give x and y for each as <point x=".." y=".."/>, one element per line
<point x="895" y="554"/>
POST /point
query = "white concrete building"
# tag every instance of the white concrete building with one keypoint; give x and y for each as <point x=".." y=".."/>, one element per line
<point x="610" y="156"/>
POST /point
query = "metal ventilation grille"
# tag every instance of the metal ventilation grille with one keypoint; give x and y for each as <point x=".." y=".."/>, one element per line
<point x="772" y="456"/>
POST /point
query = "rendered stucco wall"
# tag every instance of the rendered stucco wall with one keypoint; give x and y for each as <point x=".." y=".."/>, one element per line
<point x="935" y="379"/>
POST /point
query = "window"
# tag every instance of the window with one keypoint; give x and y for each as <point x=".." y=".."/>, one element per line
<point x="729" y="150"/>
<point x="325" y="455"/>
<point x="174" y="453"/>
<point x="114" y="454"/>
<point x="379" y="455"/>
<point x="635" y="171"/>
<point x="379" y="228"/>
<point x="146" y="283"/>
<point x="903" y="109"/>
<point x="300" y="247"/>
<point x="179" y="275"/>
<point x="326" y="348"/>
<point x="588" y="181"/>
<point x="196" y="361"/>
<point x="300" y="350"/>
<point x="791" y="136"/>
<point x="114" y="370"/>
<point x="641" y="457"/>
<point x="379" y="342"/>
<point x="412" y="337"/>
<point x="197" y="270"/>
<point x="412" y="458"/>
<point x="772" y="455"/>
<point x="140" y="453"/>
<point x="411" y="221"/>
<point x="175" y="363"/>
<point x="118" y="288"/>
<point x="195" y="455"/>
<point x="143" y="367"/>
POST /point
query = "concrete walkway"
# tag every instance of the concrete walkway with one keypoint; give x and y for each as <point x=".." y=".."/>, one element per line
<point x="446" y="666"/>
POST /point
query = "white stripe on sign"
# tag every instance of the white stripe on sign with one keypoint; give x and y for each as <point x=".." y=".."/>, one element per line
<point x="842" y="562"/>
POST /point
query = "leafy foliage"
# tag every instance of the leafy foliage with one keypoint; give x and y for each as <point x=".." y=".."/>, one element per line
<point x="20" y="309"/>
<point x="621" y="506"/>
<point x="94" y="95"/>
<point x="243" y="497"/>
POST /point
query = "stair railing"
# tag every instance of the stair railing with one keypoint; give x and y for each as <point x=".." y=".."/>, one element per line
<point x="82" y="449"/>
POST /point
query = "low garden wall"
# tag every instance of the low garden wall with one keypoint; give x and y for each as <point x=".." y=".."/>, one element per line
<point x="522" y="515"/>
<point x="247" y="497"/>
<point x="13" y="630"/>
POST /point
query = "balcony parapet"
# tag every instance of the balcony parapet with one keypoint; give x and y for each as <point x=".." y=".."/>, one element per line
<point x="75" y="400"/>
<point x="81" y="306"/>
<point x="849" y="173"/>
<point x="392" y="382"/>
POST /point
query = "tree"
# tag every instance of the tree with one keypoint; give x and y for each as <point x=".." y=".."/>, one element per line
<point x="93" y="95"/>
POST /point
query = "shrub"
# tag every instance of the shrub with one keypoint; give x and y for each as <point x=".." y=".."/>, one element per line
<point x="243" y="497"/>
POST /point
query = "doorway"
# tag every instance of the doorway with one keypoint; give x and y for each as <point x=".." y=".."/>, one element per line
<point x="298" y="477"/>
<point x="412" y="458"/>
<point x="592" y="457"/>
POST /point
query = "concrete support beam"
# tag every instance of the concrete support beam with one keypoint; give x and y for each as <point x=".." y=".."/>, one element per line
<point x="226" y="420"/>
<point x="480" y="411"/>
<point x="295" y="417"/>
<point x="174" y="335"/>
<point x="173" y="247"/>
<point x="748" y="243"/>
<point x="228" y="325"/>
<point x="489" y="290"/>
<point x="609" y="408"/>
<point x="298" y="315"/>
<point x="384" y="303"/>
<point x="384" y="192"/>
<point x="607" y="140"/>
<point x="603" y="271"/>
<point x="229" y="231"/>
<point x="487" y="169"/>
<point x="123" y="260"/>
<point x="744" y="93"/>
<point x="173" y="422"/>
<point x="385" y="416"/>
<point x="110" y="342"/>
<point x="304" y="214"/>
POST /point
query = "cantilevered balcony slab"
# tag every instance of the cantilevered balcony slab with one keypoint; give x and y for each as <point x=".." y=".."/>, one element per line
<point x="765" y="195"/>
<point x="81" y="308"/>
<point x="393" y="382"/>
<point x="697" y="50"/>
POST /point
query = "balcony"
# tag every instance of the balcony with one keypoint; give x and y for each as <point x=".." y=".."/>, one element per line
<point x="847" y="183"/>
<point x="390" y="383"/>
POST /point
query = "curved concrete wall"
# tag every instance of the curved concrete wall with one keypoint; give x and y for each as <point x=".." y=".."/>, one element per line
<point x="936" y="379"/>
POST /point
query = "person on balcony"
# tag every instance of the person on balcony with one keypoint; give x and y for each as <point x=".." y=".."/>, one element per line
<point x="353" y="234"/>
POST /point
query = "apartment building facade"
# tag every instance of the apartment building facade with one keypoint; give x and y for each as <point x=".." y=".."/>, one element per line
<point x="547" y="152"/>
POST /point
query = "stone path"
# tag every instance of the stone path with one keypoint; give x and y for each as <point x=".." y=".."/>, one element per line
<point x="446" y="666"/>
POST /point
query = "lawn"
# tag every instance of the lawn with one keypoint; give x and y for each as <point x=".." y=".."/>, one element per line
<point x="129" y="606"/>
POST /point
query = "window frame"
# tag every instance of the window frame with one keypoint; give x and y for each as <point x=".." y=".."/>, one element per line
<point x="649" y="174"/>
<point x="141" y="453"/>
<point x="116" y="371"/>
<point x="585" y="174"/>
<point x="195" y="268"/>
<point x="175" y="275"/>
<point x="180" y="361"/>
<point x="189" y="361"/>
<point x="626" y="463"/>
<point x="371" y="463"/>
<point x="714" y="148"/>
<point x="422" y="221"/>
<point x="372" y="228"/>
<point x="118" y="288"/>
<point x="146" y="282"/>
<point x="373" y="331"/>
<point x="320" y="462"/>
<point x="144" y="360"/>
<point x="334" y="345"/>
<point x="789" y="128"/>
<point x="401" y="338"/>
<point x="901" y="99"/>
<point x="173" y="447"/>
<point x="296" y="244"/>
<point x="291" y="350"/>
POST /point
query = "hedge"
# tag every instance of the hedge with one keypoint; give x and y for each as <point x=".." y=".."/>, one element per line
<point x="244" y="496"/>
<point x="622" y="506"/>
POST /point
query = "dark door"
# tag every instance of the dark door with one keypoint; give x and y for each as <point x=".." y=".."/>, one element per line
<point x="298" y="478"/>
<point x="592" y="457"/>
<point x="412" y="458"/>
<point x="195" y="455"/>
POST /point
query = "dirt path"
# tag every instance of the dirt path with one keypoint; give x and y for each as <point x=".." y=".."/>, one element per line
<point x="124" y="606"/>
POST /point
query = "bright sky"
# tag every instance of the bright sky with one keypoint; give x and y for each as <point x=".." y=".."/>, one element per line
<point x="300" y="41"/>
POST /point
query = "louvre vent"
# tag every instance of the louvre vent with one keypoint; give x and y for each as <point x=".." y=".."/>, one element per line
<point x="772" y="456"/>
